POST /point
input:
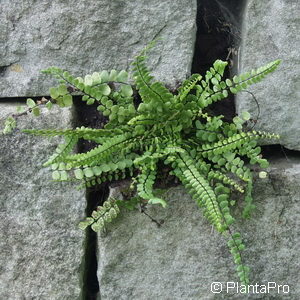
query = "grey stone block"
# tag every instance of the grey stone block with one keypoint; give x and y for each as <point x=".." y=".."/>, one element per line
<point x="41" y="248"/>
<point x="183" y="257"/>
<point x="270" y="32"/>
<point x="88" y="36"/>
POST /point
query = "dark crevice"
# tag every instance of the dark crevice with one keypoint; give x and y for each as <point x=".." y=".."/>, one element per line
<point x="277" y="151"/>
<point x="218" y="37"/>
<point x="3" y="70"/>
<point x="90" y="284"/>
<point x="219" y="26"/>
<point x="88" y="116"/>
<point x="21" y="100"/>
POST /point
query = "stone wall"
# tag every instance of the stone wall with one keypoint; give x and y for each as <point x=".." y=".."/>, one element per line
<point x="42" y="251"/>
<point x="270" y="32"/>
<point x="89" y="36"/>
<point x="40" y="247"/>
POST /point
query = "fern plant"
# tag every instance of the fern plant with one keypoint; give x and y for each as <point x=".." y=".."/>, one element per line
<point x="203" y="151"/>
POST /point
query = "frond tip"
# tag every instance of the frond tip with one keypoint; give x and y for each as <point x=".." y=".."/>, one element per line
<point x="101" y="216"/>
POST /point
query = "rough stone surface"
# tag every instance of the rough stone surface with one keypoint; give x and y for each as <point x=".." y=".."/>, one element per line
<point x="87" y="36"/>
<point x="183" y="257"/>
<point x="41" y="248"/>
<point x="270" y="32"/>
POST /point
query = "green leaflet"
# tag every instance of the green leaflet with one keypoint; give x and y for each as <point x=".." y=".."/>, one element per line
<point x="160" y="201"/>
<point x="126" y="90"/>
<point x="30" y="103"/>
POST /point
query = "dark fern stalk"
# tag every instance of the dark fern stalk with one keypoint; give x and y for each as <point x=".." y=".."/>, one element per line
<point x="204" y="152"/>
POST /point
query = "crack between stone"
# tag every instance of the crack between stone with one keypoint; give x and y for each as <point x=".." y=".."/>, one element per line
<point x="88" y="116"/>
<point x="218" y="37"/>
<point x="90" y="283"/>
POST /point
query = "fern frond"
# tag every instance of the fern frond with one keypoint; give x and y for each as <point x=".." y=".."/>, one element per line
<point x="95" y="171"/>
<point x="243" y="81"/>
<point x="154" y="95"/>
<point x="62" y="150"/>
<point x="115" y="145"/>
<point x="201" y="191"/>
<point x="108" y="177"/>
<point x="256" y="158"/>
<point x="220" y="89"/>
<point x="145" y="187"/>
<point x="249" y="207"/>
<point x="79" y="132"/>
<point x="187" y="86"/>
<point x="142" y="78"/>
<point x="225" y="179"/>
<point x="231" y="143"/>
<point x="141" y="73"/>
<point x="102" y="215"/>
<point x="235" y="165"/>
<point x="148" y="157"/>
<point x="236" y="246"/>
<point x="142" y="120"/>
